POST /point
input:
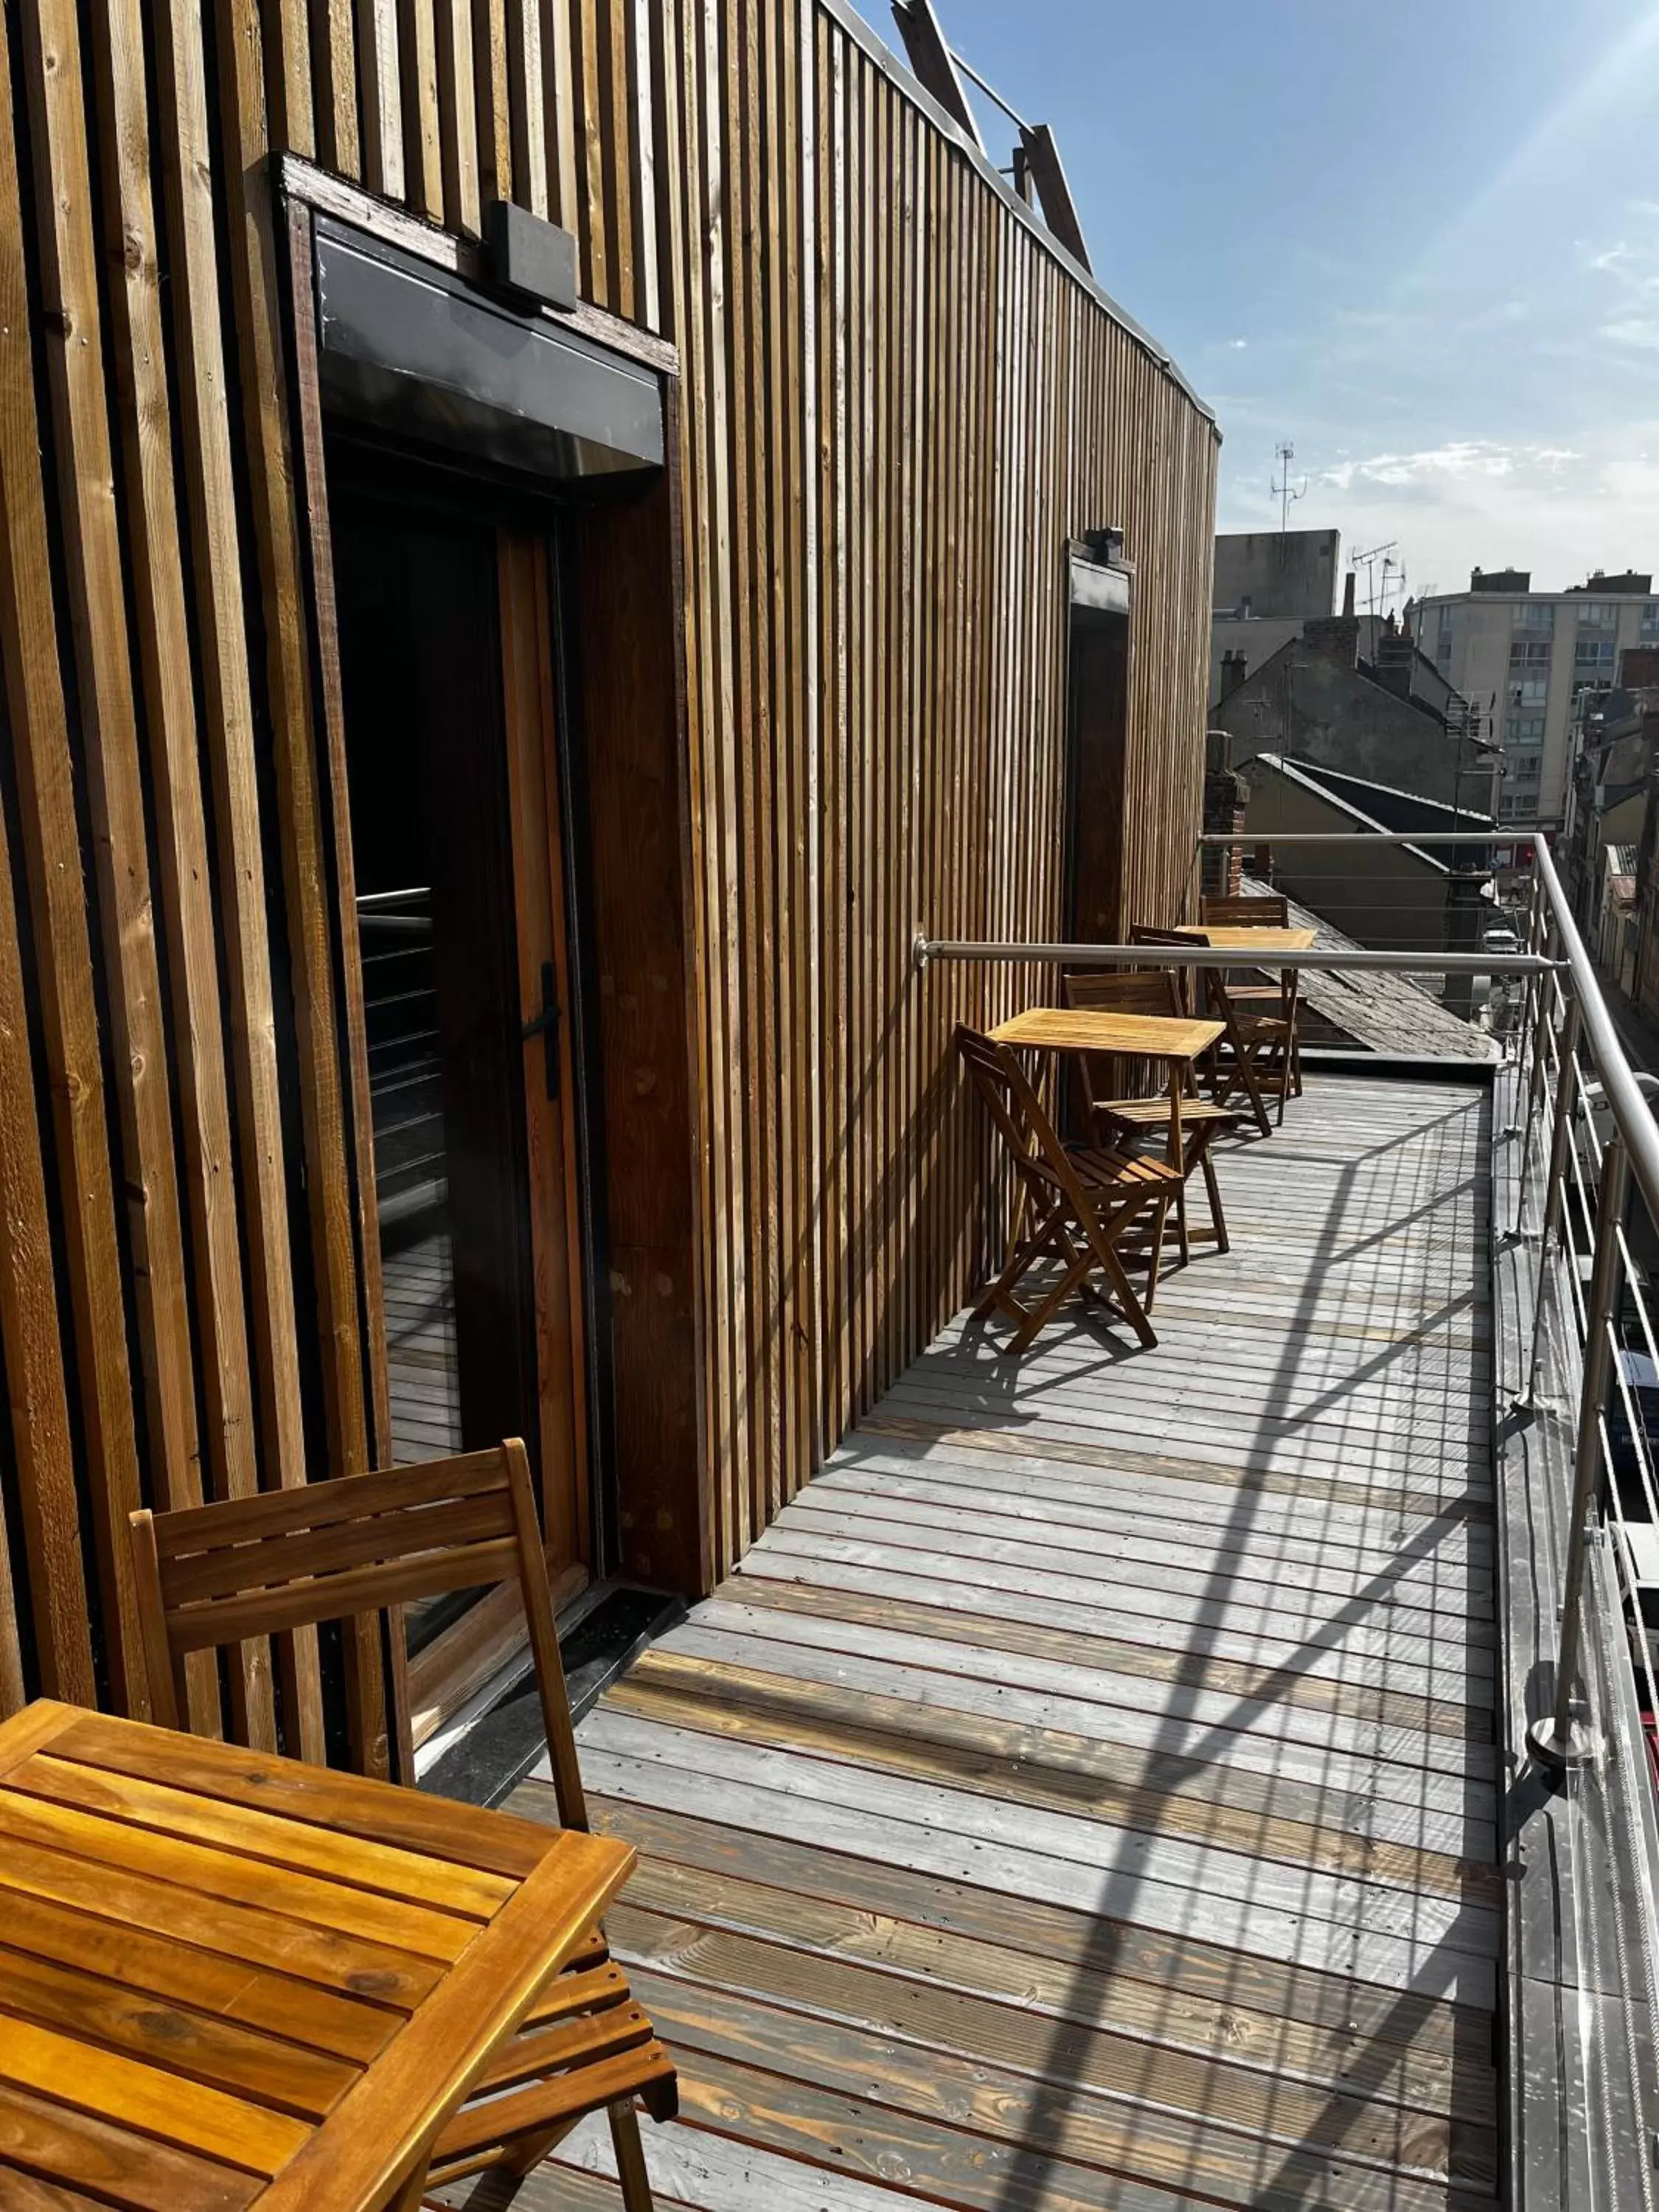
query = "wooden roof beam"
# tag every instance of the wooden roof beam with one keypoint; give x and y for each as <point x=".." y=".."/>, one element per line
<point x="1043" y="166"/>
<point x="934" y="62"/>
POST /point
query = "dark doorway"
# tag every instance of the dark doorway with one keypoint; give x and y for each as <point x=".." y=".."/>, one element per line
<point x="447" y="644"/>
<point x="1097" y="706"/>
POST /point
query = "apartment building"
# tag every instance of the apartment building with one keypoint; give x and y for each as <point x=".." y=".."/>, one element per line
<point x="1521" y="657"/>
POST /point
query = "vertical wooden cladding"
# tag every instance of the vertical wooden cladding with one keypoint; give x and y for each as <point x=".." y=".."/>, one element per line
<point x="895" y="403"/>
<point x="901" y="403"/>
<point x="167" y="1287"/>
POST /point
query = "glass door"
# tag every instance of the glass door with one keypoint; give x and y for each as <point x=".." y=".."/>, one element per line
<point x="446" y="650"/>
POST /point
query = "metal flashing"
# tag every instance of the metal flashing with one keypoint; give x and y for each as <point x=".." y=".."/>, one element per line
<point x="413" y="348"/>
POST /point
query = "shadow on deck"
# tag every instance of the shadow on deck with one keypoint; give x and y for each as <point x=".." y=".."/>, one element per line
<point x="1084" y="1795"/>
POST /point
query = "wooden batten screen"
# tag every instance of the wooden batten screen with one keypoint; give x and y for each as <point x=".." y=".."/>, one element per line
<point x="897" y="402"/>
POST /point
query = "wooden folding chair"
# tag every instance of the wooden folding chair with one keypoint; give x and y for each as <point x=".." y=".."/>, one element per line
<point x="1258" y="1054"/>
<point x="1079" y="1204"/>
<point x="1190" y="1126"/>
<point x="215" y="1576"/>
<point x="1272" y="995"/>
<point x="1257" y="911"/>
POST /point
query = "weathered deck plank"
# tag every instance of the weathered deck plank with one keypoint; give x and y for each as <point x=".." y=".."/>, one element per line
<point x="1085" y="1794"/>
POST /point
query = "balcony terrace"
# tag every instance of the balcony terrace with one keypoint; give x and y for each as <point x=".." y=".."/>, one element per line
<point x="1087" y="1792"/>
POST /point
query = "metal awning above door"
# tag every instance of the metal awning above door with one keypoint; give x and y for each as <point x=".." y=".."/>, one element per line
<point x="421" y="354"/>
<point x="1099" y="585"/>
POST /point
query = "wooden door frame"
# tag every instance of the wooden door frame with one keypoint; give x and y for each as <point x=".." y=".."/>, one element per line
<point x="463" y="1654"/>
<point x="1086" y="553"/>
<point x="558" y="1260"/>
<point x="456" y="1664"/>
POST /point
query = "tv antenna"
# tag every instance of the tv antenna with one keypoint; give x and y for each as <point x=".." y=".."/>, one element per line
<point x="1282" y="492"/>
<point x="1380" y="557"/>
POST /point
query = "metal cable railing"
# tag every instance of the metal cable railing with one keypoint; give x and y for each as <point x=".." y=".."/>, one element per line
<point x="1589" y="1180"/>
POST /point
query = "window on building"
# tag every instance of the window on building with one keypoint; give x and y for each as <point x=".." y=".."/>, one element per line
<point x="1442" y="643"/>
<point x="1534" y="618"/>
<point x="1650" y="623"/>
<point x="1524" y="730"/>
<point x="1592" y="661"/>
<point x="1526" y="654"/>
<point x="1516" y="806"/>
<point x="1597" y="614"/>
<point x="1529" y="690"/>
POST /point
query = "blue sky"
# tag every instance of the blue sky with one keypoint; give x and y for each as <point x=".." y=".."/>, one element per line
<point x="1421" y="242"/>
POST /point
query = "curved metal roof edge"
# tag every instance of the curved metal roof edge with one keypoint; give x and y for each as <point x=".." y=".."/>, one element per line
<point x="891" y="66"/>
<point x="1282" y="765"/>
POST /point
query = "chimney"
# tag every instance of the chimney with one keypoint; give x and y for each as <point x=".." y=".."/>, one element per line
<point x="1394" y="659"/>
<point x="1332" y="637"/>
<point x="1225" y="797"/>
<point x="1232" y="672"/>
<point x="1348" y="594"/>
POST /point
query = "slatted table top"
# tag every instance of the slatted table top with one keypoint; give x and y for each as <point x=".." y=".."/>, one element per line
<point x="1251" y="938"/>
<point x="1069" y="1029"/>
<point x="229" y="1980"/>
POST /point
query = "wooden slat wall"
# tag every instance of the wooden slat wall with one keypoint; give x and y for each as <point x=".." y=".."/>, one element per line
<point x="898" y="403"/>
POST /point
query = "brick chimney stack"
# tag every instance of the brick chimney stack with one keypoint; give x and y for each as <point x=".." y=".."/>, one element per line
<point x="1347" y="595"/>
<point x="1226" y="794"/>
<point x="1332" y="637"/>
<point x="1232" y="672"/>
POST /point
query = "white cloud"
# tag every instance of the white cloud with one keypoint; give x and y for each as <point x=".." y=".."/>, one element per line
<point x="1238" y="345"/>
<point x="1477" y="410"/>
<point x="1630" y="269"/>
<point x="1460" y="457"/>
<point x="1559" y="509"/>
<point x="1610" y="260"/>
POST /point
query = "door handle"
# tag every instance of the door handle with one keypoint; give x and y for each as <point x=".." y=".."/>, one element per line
<point x="545" y="1025"/>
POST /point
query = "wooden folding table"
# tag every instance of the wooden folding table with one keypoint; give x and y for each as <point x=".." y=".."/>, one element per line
<point x="228" y="1980"/>
<point x="1223" y="937"/>
<point x="1176" y="1039"/>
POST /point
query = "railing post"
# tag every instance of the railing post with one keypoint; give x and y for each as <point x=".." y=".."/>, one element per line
<point x="1560" y="1740"/>
<point x="1566" y="1100"/>
<point x="1537" y="1013"/>
<point x="1535" y="940"/>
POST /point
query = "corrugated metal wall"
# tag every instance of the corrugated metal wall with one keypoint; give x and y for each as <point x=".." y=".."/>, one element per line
<point x="899" y="402"/>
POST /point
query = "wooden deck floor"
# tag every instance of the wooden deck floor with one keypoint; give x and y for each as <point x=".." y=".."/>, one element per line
<point x="1084" y="1795"/>
<point x="423" y="1369"/>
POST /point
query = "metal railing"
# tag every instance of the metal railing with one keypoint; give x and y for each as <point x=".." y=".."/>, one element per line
<point x="1582" y="1180"/>
<point x="1576" y="1273"/>
<point x="1585" y="1442"/>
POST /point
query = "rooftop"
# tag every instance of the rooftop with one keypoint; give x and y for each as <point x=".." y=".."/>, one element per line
<point x="1368" y="1006"/>
<point x="1516" y="584"/>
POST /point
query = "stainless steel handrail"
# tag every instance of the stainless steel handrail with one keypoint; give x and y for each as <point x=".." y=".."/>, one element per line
<point x="1631" y="1117"/>
<point x="1257" y="840"/>
<point x="926" y="949"/>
